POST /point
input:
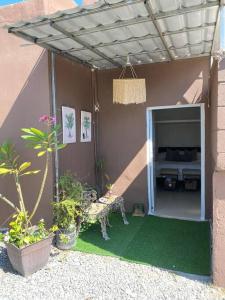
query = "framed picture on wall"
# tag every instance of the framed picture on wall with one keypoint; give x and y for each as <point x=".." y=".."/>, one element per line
<point x="69" y="125"/>
<point x="86" y="126"/>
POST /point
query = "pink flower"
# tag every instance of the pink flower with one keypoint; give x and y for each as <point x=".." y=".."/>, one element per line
<point x="48" y="119"/>
<point x="52" y="120"/>
<point x="43" y="118"/>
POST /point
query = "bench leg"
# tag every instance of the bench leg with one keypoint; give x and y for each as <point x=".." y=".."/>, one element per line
<point x="107" y="222"/>
<point x="103" y="228"/>
<point x="122" y="209"/>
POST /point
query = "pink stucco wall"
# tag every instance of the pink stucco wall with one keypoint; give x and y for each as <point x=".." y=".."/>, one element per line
<point x="122" y="132"/>
<point x="73" y="89"/>
<point x="218" y="155"/>
<point x="24" y="95"/>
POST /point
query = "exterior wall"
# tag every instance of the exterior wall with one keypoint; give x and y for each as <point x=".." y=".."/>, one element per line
<point x="24" y="93"/>
<point x="122" y="136"/>
<point x="218" y="150"/>
<point x="73" y="82"/>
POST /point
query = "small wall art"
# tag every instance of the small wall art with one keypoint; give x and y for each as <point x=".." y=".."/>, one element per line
<point x="69" y="125"/>
<point x="86" y="126"/>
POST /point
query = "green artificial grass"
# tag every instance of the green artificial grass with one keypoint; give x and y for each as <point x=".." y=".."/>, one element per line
<point x="166" y="243"/>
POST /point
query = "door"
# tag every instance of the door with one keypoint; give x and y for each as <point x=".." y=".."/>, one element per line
<point x="151" y="161"/>
<point x="151" y="178"/>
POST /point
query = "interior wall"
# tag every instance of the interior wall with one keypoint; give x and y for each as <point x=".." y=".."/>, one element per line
<point x="179" y="121"/>
<point x="73" y="82"/>
<point x="122" y="135"/>
<point x="187" y="135"/>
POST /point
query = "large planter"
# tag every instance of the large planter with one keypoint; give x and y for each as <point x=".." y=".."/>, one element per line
<point x="68" y="241"/>
<point x="29" y="259"/>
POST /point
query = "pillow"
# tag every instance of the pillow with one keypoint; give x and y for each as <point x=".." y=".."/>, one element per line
<point x="171" y="154"/>
<point x="194" y="154"/>
<point x="161" y="156"/>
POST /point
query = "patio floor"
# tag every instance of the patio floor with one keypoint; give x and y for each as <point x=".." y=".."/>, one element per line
<point x="177" y="245"/>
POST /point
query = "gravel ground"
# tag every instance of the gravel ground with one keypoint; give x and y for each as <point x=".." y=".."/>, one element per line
<point x="74" y="275"/>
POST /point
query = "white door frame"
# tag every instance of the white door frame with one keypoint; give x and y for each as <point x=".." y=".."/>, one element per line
<point x="150" y="154"/>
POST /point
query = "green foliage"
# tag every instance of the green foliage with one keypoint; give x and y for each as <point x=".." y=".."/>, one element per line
<point x="66" y="213"/>
<point x="103" y="179"/>
<point x="100" y="164"/>
<point x="86" y="122"/>
<point x="70" y="187"/>
<point x="20" y="235"/>
<point x="21" y="232"/>
<point x="72" y="207"/>
<point x="43" y="141"/>
<point x="9" y="161"/>
<point x="64" y="238"/>
<point x="69" y="121"/>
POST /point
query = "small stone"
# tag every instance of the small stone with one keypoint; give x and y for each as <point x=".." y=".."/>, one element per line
<point x="75" y="275"/>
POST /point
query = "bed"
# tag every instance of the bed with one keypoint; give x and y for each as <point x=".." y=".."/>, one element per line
<point x="162" y="163"/>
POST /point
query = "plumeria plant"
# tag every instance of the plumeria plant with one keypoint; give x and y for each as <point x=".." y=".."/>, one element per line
<point x="21" y="232"/>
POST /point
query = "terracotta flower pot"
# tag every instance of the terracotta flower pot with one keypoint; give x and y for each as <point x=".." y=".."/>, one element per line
<point x="29" y="259"/>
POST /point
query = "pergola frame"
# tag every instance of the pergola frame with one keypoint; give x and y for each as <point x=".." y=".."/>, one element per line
<point x="154" y="18"/>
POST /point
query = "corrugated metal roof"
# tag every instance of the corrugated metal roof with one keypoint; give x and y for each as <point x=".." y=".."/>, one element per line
<point x="103" y="34"/>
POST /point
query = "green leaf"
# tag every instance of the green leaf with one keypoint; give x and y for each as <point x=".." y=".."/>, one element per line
<point x="31" y="172"/>
<point x="24" y="166"/>
<point x="31" y="138"/>
<point x="41" y="153"/>
<point x="38" y="132"/>
<point x="49" y="150"/>
<point x="56" y="127"/>
<point x="38" y="146"/>
<point x="5" y="171"/>
<point x="27" y="130"/>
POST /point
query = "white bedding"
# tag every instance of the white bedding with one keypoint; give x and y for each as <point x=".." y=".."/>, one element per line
<point x="179" y="165"/>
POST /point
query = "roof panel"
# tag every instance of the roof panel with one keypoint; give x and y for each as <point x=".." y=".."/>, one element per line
<point x="65" y="44"/>
<point x="106" y="32"/>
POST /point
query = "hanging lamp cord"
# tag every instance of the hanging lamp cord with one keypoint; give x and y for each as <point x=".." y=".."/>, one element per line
<point x="128" y="65"/>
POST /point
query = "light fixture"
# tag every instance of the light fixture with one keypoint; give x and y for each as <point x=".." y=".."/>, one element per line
<point x="129" y="90"/>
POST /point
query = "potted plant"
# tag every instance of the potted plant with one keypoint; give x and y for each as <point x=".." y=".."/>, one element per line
<point x="69" y="211"/>
<point x="28" y="246"/>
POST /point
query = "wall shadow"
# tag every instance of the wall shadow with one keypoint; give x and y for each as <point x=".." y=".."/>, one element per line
<point x="31" y="102"/>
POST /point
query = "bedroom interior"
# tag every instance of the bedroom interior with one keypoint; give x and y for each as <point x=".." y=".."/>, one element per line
<point x="177" y="162"/>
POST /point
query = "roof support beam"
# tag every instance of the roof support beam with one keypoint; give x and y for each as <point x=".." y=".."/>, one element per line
<point x="156" y="61"/>
<point x="99" y="28"/>
<point x="142" y="38"/>
<point x="84" y="44"/>
<point x="53" y="49"/>
<point x="163" y="51"/>
<point x="150" y="11"/>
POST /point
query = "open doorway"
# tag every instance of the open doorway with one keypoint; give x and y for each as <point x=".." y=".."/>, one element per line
<point x="176" y="161"/>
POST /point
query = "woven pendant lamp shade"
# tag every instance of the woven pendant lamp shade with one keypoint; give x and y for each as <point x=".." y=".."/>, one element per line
<point x="129" y="90"/>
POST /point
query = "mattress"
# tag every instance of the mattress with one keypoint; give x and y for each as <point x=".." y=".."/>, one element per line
<point x="178" y="165"/>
